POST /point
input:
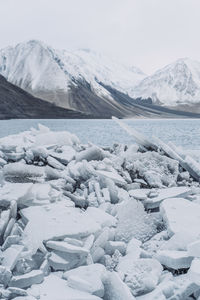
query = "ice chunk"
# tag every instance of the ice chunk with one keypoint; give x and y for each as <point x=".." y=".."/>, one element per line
<point x="111" y="175"/>
<point x="56" y="138"/>
<point x="26" y="280"/>
<point x="54" y="221"/>
<point x="116" y="289"/>
<point x="3" y="162"/>
<point x="194" y="271"/>
<point x="194" y="248"/>
<point x="179" y="241"/>
<point x="133" y="222"/>
<point x="53" y="162"/>
<point x="11" y="255"/>
<point x="54" y="288"/>
<point x="63" y="261"/>
<point x="111" y="246"/>
<point x="21" y="192"/>
<point x="92" y="153"/>
<point x="10" y="240"/>
<point x="141" y="275"/>
<point x="101" y="217"/>
<point x="156" y="169"/>
<point x="167" y="193"/>
<point x="5" y="275"/>
<point x="87" y="278"/>
<point x="5" y="217"/>
<point x="174" y="259"/>
<point x="66" y="247"/>
<point x="140" y="138"/>
<point x="65" y="155"/>
<point x="22" y="171"/>
<point x="133" y="248"/>
<point x="139" y="194"/>
<point x="180" y="214"/>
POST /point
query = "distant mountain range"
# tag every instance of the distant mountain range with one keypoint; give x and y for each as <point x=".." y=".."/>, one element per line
<point x="174" y="85"/>
<point x="94" y="85"/>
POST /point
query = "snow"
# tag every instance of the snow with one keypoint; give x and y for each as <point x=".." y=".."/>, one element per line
<point x="177" y="83"/>
<point x="38" y="67"/>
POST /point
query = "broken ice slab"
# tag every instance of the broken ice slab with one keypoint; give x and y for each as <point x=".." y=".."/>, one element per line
<point x="166" y="193"/>
<point x="26" y="280"/>
<point x="3" y="162"/>
<point x="116" y="289"/>
<point x="180" y="214"/>
<point x="139" y="138"/>
<point x="65" y="155"/>
<point x="111" y="246"/>
<point x="5" y="275"/>
<point x="11" y="256"/>
<point x="66" y="247"/>
<point x="21" y="192"/>
<point x="111" y="175"/>
<point x="173" y="259"/>
<point x="141" y="275"/>
<point x="21" y="171"/>
<point x="79" y="201"/>
<point x="55" y="288"/>
<point x="194" y="248"/>
<point x="194" y="271"/>
<point x="55" y="138"/>
<point x="87" y="278"/>
<point x="92" y="153"/>
<point x="53" y="162"/>
<point x="57" y="220"/>
<point x="63" y="261"/>
<point x="102" y="218"/>
<point x="188" y="164"/>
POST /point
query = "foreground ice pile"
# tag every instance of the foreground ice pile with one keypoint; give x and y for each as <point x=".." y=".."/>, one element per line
<point x="83" y="222"/>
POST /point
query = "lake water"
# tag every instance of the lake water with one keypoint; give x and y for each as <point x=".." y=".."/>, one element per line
<point x="185" y="133"/>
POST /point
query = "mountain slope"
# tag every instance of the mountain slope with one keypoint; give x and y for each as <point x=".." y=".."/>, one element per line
<point x="54" y="75"/>
<point x="175" y="84"/>
<point x="16" y="103"/>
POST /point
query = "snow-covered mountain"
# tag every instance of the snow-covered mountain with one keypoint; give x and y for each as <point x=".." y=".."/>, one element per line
<point x="175" y="84"/>
<point x="54" y="75"/>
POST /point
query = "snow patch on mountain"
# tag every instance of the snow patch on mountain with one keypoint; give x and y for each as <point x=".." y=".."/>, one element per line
<point x="34" y="66"/>
<point x="177" y="83"/>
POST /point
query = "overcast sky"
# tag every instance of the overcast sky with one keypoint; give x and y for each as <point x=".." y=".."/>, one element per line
<point x="145" y="33"/>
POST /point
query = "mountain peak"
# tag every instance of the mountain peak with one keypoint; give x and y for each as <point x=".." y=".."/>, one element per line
<point x="176" y="83"/>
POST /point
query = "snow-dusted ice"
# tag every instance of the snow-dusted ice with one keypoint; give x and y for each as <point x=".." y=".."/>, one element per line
<point x="82" y="222"/>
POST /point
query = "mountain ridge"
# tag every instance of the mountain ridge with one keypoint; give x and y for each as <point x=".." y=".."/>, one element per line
<point x="82" y="80"/>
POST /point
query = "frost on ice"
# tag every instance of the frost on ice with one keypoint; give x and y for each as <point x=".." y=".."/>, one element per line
<point x="84" y="222"/>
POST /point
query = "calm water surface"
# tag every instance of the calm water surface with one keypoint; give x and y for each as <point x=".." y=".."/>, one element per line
<point x="185" y="133"/>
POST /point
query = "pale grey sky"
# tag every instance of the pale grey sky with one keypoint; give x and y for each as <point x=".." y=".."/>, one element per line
<point x="145" y="33"/>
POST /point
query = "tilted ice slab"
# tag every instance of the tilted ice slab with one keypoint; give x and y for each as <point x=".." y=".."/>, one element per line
<point x="55" y="221"/>
<point x="163" y="194"/>
<point x="180" y="214"/>
<point x="172" y="192"/>
<point x="54" y="288"/>
<point x="21" y="192"/>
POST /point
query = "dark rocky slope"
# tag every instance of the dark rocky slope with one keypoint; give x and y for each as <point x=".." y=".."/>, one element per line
<point x="17" y="104"/>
